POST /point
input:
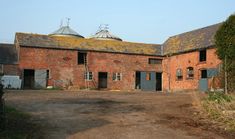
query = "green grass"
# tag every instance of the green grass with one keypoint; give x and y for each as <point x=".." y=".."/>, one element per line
<point x="19" y="126"/>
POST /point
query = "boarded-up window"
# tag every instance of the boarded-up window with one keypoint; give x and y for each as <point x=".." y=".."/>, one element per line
<point x="148" y="76"/>
<point x="179" y="74"/>
<point x="88" y="76"/>
<point x="82" y="58"/>
<point x="190" y="72"/>
<point x="212" y="72"/>
<point x="117" y="76"/>
<point x="202" y="55"/>
<point x="155" y="61"/>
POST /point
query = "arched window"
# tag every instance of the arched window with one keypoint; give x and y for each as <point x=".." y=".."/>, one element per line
<point x="190" y="72"/>
<point x="179" y="74"/>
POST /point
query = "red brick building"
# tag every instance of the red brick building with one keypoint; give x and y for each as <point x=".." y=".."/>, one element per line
<point x="190" y="61"/>
<point x="67" y="59"/>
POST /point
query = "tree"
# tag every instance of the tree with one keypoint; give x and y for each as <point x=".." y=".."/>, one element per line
<point x="225" y="43"/>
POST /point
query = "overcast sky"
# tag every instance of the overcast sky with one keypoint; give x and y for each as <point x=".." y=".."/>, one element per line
<point x="148" y="21"/>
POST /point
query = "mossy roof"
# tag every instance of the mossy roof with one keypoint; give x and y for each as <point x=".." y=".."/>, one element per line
<point x="193" y="40"/>
<point x="62" y="42"/>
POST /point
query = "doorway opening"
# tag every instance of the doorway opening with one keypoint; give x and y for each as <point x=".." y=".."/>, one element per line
<point x="103" y="80"/>
<point x="137" y="80"/>
<point x="158" y="81"/>
<point x="28" y="79"/>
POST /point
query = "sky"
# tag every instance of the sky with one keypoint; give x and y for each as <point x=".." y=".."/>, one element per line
<point x="147" y="21"/>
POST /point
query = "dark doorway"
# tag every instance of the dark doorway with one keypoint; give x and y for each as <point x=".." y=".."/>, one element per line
<point x="203" y="74"/>
<point x="158" y="81"/>
<point x="28" y="79"/>
<point x="103" y="80"/>
<point x="137" y="80"/>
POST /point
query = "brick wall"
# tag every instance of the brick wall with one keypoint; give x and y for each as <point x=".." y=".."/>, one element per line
<point x="10" y="70"/>
<point x="191" y="59"/>
<point x="63" y="66"/>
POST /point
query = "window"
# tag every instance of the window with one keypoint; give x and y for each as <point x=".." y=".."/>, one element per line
<point x="179" y="74"/>
<point x="202" y="55"/>
<point x="117" y="76"/>
<point x="82" y="58"/>
<point x="190" y="72"/>
<point x="148" y="76"/>
<point x="88" y="76"/>
<point x="203" y="73"/>
<point x="155" y="61"/>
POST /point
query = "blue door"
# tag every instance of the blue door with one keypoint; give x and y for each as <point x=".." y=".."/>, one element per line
<point x="203" y="84"/>
<point x="148" y="81"/>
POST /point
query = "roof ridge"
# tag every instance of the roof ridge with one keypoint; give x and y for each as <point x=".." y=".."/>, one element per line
<point x="198" y="29"/>
<point x="36" y="34"/>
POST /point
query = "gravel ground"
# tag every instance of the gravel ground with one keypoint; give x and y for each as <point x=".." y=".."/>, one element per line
<point x="114" y="115"/>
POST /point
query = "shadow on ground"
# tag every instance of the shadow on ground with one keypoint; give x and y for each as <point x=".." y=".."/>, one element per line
<point x="69" y="116"/>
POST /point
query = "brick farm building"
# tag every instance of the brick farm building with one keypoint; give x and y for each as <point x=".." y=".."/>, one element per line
<point x="65" y="59"/>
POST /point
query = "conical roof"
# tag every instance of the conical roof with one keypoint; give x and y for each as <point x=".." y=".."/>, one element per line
<point x="104" y="34"/>
<point x="66" y="31"/>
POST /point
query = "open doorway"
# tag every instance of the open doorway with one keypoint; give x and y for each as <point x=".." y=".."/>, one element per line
<point x="158" y="81"/>
<point x="103" y="80"/>
<point x="28" y="79"/>
<point x="35" y="79"/>
<point x="137" y="80"/>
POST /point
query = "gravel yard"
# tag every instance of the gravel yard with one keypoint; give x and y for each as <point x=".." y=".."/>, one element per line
<point x="113" y="115"/>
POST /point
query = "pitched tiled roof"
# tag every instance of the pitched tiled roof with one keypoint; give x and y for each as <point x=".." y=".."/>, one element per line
<point x="8" y="54"/>
<point x="61" y="42"/>
<point x="193" y="40"/>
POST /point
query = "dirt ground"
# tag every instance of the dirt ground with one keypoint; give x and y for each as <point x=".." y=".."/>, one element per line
<point x="114" y="115"/>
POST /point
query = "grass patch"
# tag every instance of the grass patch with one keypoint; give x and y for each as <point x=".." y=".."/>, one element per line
<point x="221" y="108"/>
<point x="19" y="126"/>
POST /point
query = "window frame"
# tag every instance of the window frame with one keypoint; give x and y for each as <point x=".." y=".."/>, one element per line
<point x="179" y="74"/>
<point x="88" y="76"/>
<point x="154" y="61"/>
<point x="117" y="76"/>
<point x="190" y="72"/>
